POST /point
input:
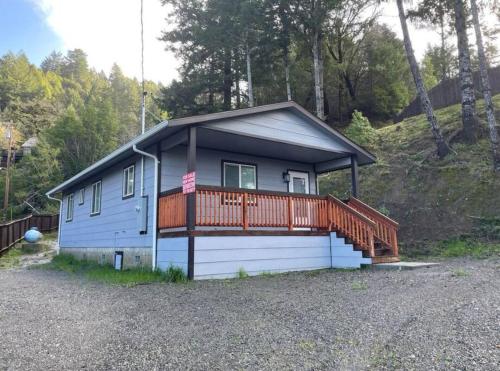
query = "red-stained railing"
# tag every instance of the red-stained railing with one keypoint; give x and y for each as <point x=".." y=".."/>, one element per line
<point x="244" y="209"/>
<point x="386" y="228"/>
<point x="172" y="210"/>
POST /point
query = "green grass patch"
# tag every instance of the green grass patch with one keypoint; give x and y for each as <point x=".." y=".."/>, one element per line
<point x="107" y="274"/>
<point x="455" y="248"/>
<point x="460" y="272"/>
<point x="11" y="258"/>
<point x="475" y="249"/>
<point x="359" y="286"/>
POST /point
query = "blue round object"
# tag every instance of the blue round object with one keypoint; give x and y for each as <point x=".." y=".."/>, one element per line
<point x="33" y="235"/>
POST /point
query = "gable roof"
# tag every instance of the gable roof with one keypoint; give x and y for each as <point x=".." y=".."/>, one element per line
<point x="170" y="127"/>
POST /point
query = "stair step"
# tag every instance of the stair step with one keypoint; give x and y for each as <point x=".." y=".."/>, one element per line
<point x="385" y="259"/>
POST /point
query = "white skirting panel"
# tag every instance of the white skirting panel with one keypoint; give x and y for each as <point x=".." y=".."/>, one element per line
<point x="172" y="251"/>
<point x="223" y="257"/>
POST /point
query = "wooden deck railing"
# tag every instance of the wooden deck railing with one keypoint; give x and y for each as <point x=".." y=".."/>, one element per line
<point x="386" y="228"/>
<point x="244" y="209"/>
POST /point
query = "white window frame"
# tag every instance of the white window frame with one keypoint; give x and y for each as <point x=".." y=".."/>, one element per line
<point x="93" y="209"/>
<point x="81" y="196"/>
<point x="224" y="163"/>
<point x="125" y="183"/>
<point x="70" y="207"/>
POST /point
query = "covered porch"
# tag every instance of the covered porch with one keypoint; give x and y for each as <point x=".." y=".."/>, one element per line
<point x="259" y="209"/>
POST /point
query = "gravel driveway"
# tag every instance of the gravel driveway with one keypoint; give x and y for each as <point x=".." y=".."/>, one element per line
<point x="432" y="318"/>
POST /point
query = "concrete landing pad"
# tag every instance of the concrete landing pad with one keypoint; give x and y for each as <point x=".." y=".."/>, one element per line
<point x="404" y="265"/>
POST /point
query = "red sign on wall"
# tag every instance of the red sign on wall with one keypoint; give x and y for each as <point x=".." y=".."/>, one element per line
<point x="188" y="182"/>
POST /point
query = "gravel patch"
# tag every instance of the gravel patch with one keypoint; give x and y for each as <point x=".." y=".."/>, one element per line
<point x="444" y="317"/>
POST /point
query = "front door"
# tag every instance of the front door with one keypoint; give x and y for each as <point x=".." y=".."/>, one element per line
<point x="299" y="182"/>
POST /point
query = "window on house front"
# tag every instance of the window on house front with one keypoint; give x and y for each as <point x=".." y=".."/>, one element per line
<point x="239" y="175"/>
<point x="128" y="181"/>
<point x="96" y="198"/>
<point x="81" y="196"/>
<point x="69" y="208"/>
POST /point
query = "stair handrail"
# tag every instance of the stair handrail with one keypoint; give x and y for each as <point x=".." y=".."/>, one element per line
<point x="361" y="204"/>
<point x="352" y="210"/>
<point x="361" y="231"/>
<point x="386" y="228"/>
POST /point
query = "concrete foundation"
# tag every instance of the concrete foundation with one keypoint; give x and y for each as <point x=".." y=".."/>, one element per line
<point x="133" y="257"/>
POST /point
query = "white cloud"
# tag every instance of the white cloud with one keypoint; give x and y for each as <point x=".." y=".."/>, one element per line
<point x="109" y="31"/>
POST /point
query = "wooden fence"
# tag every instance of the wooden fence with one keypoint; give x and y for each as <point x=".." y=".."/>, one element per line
<point x="13" y="232"/>
<point x="448" y="93"/>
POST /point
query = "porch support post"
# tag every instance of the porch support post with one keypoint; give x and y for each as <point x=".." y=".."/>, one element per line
<point x="354" y="175"/>
<point x="191" y="200"/>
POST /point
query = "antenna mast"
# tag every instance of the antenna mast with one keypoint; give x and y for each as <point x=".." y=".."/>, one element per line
<point x="143" y="102"/>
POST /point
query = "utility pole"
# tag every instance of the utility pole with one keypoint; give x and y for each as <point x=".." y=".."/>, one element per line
<point x="9" y="135"/>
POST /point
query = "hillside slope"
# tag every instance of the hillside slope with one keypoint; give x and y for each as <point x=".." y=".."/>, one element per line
<point x="432" y="199"/>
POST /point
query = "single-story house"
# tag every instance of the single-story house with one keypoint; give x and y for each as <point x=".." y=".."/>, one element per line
<point x="217" y="193"/>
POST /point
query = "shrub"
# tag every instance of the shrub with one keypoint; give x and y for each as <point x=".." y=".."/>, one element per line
<point x="360" y="130"/>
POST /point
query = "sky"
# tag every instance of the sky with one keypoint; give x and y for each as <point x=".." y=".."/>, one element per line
<point x="109" y="31"/>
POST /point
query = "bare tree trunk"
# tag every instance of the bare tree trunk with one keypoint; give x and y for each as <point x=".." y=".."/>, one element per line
<point x="287" y="75"/>
<point x="318" y="75"/>
<point x="444" y="67"/>
<point x="228" y="80"/>
<point x="485" y="84"/>
<point x="211" y="87"/>
<point x="469" y="119"/>
<point x="442" y="146"/>
<point x="249" y="77"/>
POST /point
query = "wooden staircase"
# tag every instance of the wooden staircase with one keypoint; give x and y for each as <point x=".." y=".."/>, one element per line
<point x="374" y="233"/>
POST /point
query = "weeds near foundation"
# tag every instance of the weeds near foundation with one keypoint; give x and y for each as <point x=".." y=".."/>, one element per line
<point x="107" y="274"/>
<point x="242" y="273"/>
<point x="268" y="274"/>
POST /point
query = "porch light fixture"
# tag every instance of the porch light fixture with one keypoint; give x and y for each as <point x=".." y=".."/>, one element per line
<point x="286" y="177"/>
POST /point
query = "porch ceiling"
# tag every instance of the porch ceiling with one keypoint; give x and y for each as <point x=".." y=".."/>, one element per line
<point x="224" y="141"/>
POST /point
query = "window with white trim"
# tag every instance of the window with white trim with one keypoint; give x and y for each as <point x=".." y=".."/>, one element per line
<point x="128" y="186"/>
<point x="237" y="175"/>
<point x="96" y="198"/>
<point x="81" y="196"/>
<point x="70" y="207"/>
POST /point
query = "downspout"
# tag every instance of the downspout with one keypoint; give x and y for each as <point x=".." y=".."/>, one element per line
<point x="155" y="201"/>
<point x="60" y="218"/>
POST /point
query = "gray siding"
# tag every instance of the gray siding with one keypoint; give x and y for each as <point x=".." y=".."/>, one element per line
<point x="117" y="225"/>
<point x="282" y="126"/>
<point x="209" y="163"/>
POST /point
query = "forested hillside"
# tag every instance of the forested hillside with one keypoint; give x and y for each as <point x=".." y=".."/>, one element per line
<point x="433" y="199"/>
<point x="78" y="115"/>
